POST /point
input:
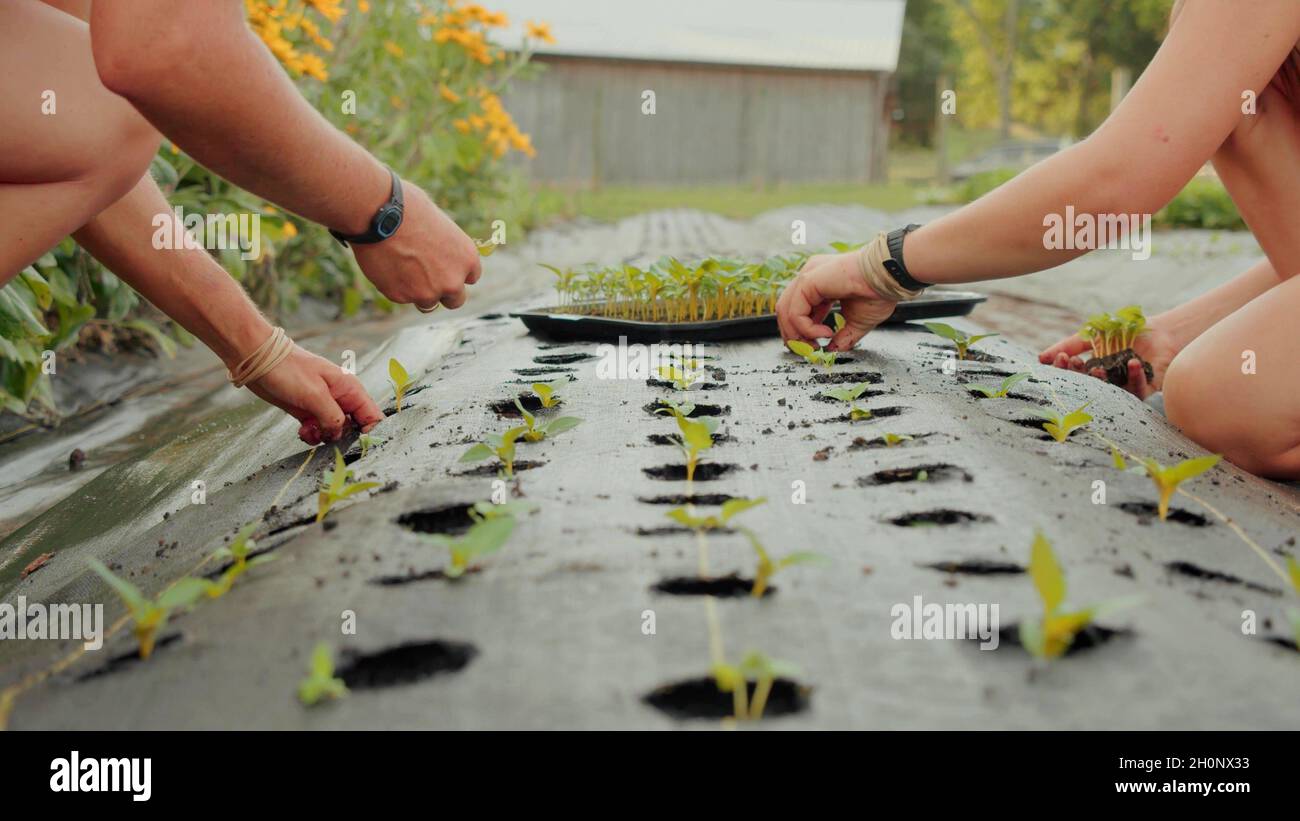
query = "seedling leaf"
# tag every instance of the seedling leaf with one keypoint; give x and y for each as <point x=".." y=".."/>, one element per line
<point x="320" y="683"/>
<point x="1046" y="574"/>
<point x="401" y="380"/>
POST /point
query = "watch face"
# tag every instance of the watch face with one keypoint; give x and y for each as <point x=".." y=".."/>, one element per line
<point x="388" y="222"/>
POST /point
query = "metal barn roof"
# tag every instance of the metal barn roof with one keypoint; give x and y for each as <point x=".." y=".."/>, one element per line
<point x="853" y="35"/>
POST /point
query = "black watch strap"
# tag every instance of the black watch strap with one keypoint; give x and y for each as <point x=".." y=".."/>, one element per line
<point x="895" y="265"/>
<point x="385" y="222"/>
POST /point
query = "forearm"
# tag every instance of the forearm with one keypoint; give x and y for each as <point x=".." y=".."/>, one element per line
<point x="198" y="73"/>
<point x="185" y="283"/>
<point x="1192" y="318"/>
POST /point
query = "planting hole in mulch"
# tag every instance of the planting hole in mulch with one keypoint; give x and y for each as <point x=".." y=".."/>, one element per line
<point x="700" y="698"/>
<point x="562" y="358"/>
<point x="876" y="413"/>
<point x="977" y="567"/>
<point x="1195" y="571"/>
<point x="699" y="410"/>
<point x="919" y="473"/>
<point x="543" y="371"/>
<point x="278" y="529"/>
<point x="1094" y="635"/>
<point x="413" y="576"/>
<point x="1146" y="512"/>
<point x="125" y="660"/>
<point x="675" y="439"/>
<point x="698" y="386"/>
<point x="722" y="587"/>
<point x="938" y="518"/>
<point x="448" y="519"/>
<point x="1034" y="424"/>
<point x="679" y="499"/>
<point x="1283" y="641"/>
<point x="675" y="530"/>
<point x="821" y="397"/>
<point x="849" y="377"/>
<point x="972" y="355"/>
<point x="405" y="664"/>
<point x="1021" y="397"/>
<point x="506" y="409"/>
<point x="862" y="443"/>
<point x="411" y="391"/>
<point x="492" y="469"/>
<point x="704" y="472"/>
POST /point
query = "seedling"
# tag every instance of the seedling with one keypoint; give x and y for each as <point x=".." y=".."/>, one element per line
<point x="814" y="356"/>
<point x="1060" y="427"/>
<point x="697" y="436"/>
<point x="337" y="485"/>
<point x="320" y="683"/>
<point x="485" y="536"/>
<point x="546" y="392"/>
<point x="1167" y="479"/>
<point x="851" y="396"/>
<point x="482" y="511"/>
<point x="500" y="445"/>
<point x="401" y="380"/>
<point x="368" y="440"/>
<point x="756" y="667"/>
<point x="556" y="426"/>
<point x="238" y="553"/>
<point x="1051" y="636"/>
<point x="1002" y="390"/>
<point x="1293" y="570"/>
<point x="767" y="568"/>
<point x="151" y="615"/>
<point x="960" y="340"/>
<point x="676" y="408"/>
<point x="682" y="378"/>
<point x="1111" y="334"/>
<point x="892" y="439"/>
<point x="730" y="508"/>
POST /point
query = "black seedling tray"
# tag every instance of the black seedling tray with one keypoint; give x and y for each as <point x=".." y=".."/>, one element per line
<point x="565" y="327"/>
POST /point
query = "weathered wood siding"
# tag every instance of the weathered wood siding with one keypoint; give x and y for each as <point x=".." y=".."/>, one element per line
<point x="712" y="123"/>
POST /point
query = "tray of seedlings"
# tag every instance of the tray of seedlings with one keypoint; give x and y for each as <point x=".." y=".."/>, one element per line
<point x="711" y="300"/>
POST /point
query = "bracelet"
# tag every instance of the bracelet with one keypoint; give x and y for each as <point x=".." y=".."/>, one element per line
<point x="871" y="262"/>
<point x="260" y="362"/>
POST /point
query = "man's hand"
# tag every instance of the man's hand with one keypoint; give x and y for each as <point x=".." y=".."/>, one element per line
<point x="802" y="308"/>
<point x="428" y="261"/>
<point x="319" y="394"/>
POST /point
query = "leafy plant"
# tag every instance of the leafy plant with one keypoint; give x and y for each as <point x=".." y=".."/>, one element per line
<point x="400" y="379"/>
<point x="1051" y="636"/>
<point x="150" y="616"/>
<point x="485" y="536"/>
<point x="238" y="553"/>
<point x="892" y="439"/>
<point x="730" y="508"/>
<point x="501" y="446"/>
<point x="851" y="396"/>
<point x="814" y="356"/>
<point x="1002" y="390"/>
<point x="756" y="667"/>
<point x="697" y="436"/>
<point x="683" y="378"/>
<point x="767" y="568"/>
<point x="1110" y="334"/>
<point x="533" y="433"/>
<point x="368" y="440"/>
<point x="482" y="511"/>
<point x="337" y="485"/>
<point x="320" y="682"/>
<point x="959" y="339"/>
<point x="1293" y="614"/>
<point x="1167" y="479"/>
<point x="545" y="391"/>
<point x="1061" y="426"/>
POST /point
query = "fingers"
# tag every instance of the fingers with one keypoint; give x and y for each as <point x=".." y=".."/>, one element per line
<point x="1067" y="363"/>
<point x="475" y="271"/>
<point x="454" y="299"/>
<point x="799" y="311"/>
<point x="1070" y="346"/>
<point x="328" y="416"/>
<point x="352" y="398"/>
<point x="1137" y="380"/>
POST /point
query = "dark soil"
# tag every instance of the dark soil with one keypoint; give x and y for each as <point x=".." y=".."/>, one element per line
<point x="933" y="473"/>
<point x="863" y="443"/>
<point x="405" y="664"/>
<point x="679" y="499"/>
<point x="562" y="358"/>
<point x="698" y="386"/>
<point x="506" y="409"/>
<point x="676" y="530"/>
<point x="938" y="518"/>
<point x="876" y="413"/>
<point x="448" y="520"/>
<point x="1094" y="635"/>
<point x="723" y="587"/>
<point x="676" y="439"/>
<point x="704" y="472"/>
<point x="849" y="377"/>
<point x="422" y="576"/>
<point x="126" y="660"/>
<point x="701" y="698"/>
<point x="542" y="371"/>
<point x="1116" y="366"/>
<point x="821" y="397"/>
<point x="1197" y="572"/>
<point x="1146" y="512"/>
<point x="1022" y="397"/>
<point x="972" y="354"/>
<point x="700" y="410"/>
<point x="492" y="468"/>
<point x="978" y="567"/>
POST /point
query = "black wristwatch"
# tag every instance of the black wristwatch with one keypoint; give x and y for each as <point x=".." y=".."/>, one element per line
<point x="386" y="220"/>
<point x="895" y="265"/>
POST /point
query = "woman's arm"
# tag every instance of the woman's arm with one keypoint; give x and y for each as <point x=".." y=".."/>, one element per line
<point x="189" y="286"/>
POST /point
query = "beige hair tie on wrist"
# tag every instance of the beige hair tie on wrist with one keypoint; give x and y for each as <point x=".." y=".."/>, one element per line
<point x="260" y="362"/>
<point x="871" y="262"/>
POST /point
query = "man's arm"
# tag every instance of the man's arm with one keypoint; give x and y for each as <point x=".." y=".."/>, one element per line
<point x="202" y="78"/>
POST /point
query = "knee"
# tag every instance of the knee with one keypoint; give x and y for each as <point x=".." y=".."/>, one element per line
<point x="127" y="146"/>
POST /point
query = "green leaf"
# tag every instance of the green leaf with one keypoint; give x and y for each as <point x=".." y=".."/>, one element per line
<point x="944" y="330"/>
<point x="184" y="593"/>
<point x="734" y="507"/>
<point x="478" y="453"/>
<point x="839" y="322"/>
<point x="1046" y="574"/>
<point x="487" y="536"/>
<point x="800" y="347"/>
<point x="398" y="374"/>
<point x="1117" y="459"/>
<point x="802" y="557"/>
<point x="1293" y="570"/>
<point x="561" y="424"/>
<point x="1191" y="467"/>
<point x="129" y="593"/>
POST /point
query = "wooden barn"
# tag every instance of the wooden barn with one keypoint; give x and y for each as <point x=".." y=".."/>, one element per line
<point x="708" y="91"/>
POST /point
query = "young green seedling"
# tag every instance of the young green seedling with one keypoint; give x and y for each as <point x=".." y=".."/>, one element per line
<point x="814" y="356"/>
<point x="533" y="433"/>
<point x="960" y="340"/>
<point x="676" y="408"/>
<point x="730" y="508"/>
<point x="482" y="511"/>
<point x="368" y="440"/>
<point x="1002" y="390"/>
<point x="485" y="536"/>
<point x="1293" y="570"/>
<point x="320" y="683"/>
<point x="401" y="380"/>
<point x="1167" y="479"/>
<point x="546" y="393"/>
<point x="1051" y="636"/>
<point x="500" y="445"/>
<point x="697" y="437"/>
<point x="851" y="396"/>
<point x="892" y="439"/>
<point x="767" y="568"/>
<point x="756" y="667"/>
<point x="238" y="554"/>
<point x="1060" y="427"/>
<point x="337" y="485"/>
<point x="151" y="615"/>
<point x="683" y="378"/>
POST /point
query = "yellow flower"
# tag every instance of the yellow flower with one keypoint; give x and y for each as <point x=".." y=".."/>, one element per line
<point x="447" y="94"/>
<point x="394" y="49"/>
<point x="539" y="31"/>
<point x="461" y="125"/>
<point x="397" y="102"/>
<point x="290" y="230"/>
<point x="363" y="5"/>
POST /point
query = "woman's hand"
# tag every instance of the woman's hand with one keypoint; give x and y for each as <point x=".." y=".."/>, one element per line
<point x="824" y="278"/>
<point x="319" y="394"/>
<point x="1156" y="345"/>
